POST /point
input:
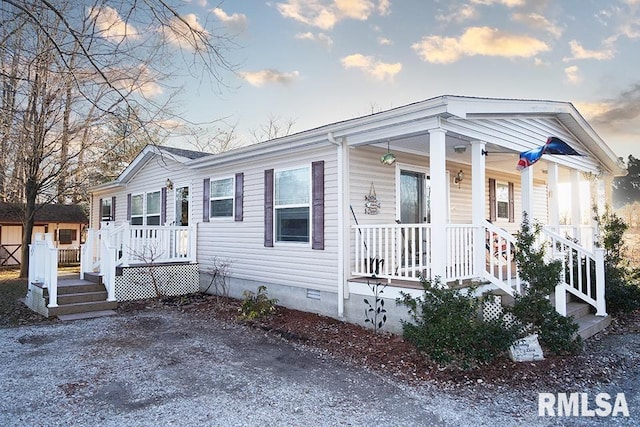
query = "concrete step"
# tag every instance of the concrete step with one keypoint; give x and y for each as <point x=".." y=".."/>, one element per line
<point x="86" y="315"/>
<point x="65" y="299"/>
<point x="82" y="307"/>
<point x="76" y="286"/>
<point x="590" y="324"/>
<point x="93" y="277"/>
<point x="578" y="309"/>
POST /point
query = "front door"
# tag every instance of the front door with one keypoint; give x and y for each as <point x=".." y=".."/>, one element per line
<point x="415" y="197"/>
<point x="182" y="206"/>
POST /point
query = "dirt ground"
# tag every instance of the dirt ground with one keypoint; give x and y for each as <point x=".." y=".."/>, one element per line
<point x="190" y="361"/>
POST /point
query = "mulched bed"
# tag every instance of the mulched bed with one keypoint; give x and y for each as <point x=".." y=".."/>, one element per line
<point x="391" y="355"/>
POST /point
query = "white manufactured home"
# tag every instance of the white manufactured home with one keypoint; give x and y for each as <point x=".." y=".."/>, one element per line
<point x="427" y="189"/>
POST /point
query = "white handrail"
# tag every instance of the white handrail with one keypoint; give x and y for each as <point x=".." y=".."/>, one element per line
<point x="501" y="269"/>
<point x="583" y="272"/>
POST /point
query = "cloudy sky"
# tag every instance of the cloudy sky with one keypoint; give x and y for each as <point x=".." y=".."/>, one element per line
<point x="321" y="61"/>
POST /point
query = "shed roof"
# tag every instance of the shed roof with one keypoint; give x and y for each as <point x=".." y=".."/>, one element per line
<point x="13" y="213"/>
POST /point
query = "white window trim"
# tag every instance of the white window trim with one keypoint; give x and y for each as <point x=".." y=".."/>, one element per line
<point x="277" y="242"/>
<point x="498" y="217"/>
<point x="232" y="197"/>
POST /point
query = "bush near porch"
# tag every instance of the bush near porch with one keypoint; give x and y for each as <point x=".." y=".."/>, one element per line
<point x="448" y="324"/>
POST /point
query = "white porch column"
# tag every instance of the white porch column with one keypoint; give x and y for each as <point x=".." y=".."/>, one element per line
<point x="478" y="204"/>
<point x="526" y="184"/>
<point x="553" y="196"/>
<point x="438" y="173"/>
<point x="576" y="217"/>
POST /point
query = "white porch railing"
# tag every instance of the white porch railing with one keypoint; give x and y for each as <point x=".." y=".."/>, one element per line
<point x="43" y="265"/>
<point x="122" y="245"/>
<point x="583" y="272"/>
<point x="403" y="251"/>
<point x="398" y="251"/>
<point x="460" y="252"/>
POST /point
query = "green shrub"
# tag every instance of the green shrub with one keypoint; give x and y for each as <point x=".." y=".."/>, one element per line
<point x="558" y="334"/>
<point x="622" y="292"/>
<point x="257" y="305"/>
<point x="447" y="325"/>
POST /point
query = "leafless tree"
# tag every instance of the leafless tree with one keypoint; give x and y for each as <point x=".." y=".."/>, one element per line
<point x="69" y="70"/>
<point x="274" y="127"/>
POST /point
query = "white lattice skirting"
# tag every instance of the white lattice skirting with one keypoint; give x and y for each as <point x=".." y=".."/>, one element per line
<point x="137" y="282"/>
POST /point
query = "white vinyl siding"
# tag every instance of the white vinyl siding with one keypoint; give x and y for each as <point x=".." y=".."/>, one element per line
<point x="242" y="242"/>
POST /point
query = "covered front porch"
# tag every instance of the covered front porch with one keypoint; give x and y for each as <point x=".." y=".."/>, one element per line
<point x="450" y="200"/>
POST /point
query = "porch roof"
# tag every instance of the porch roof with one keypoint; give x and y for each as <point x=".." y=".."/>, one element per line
<point x="513" y="125"/>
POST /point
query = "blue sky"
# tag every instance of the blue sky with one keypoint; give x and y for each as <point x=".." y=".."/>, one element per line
<point x="322" y="61"/>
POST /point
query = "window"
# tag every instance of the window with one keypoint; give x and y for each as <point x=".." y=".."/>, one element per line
<point x="291" y="204"/>
<point x="153" y="208"/>
<point x="105" y="210"/>
<point x="66" y="236"/>
<point x="137" y="209"/>
<point x="222" y="192"/>
<point x="502" y="200"/>
<point x="145" y="209"/>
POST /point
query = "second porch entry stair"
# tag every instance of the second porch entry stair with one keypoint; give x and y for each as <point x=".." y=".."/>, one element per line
<point x="82" y="299"/>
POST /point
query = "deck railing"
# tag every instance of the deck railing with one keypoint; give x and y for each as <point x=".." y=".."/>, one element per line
<point x="123" y="245"/>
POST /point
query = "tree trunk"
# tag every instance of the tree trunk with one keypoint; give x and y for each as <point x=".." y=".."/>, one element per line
<point x="29" y="220"/>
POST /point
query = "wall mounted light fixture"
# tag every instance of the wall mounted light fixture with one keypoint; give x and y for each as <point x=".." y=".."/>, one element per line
<point x="169" y="184"/>
<point x="458" y="178"/>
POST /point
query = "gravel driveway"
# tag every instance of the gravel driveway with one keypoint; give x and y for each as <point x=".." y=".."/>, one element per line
<point x="164" y="367"/>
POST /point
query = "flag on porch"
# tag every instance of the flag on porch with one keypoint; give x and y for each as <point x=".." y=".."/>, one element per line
<point x="552" y="146"/>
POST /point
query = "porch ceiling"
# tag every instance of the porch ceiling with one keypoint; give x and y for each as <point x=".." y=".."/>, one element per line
<point x="505" y="138"/>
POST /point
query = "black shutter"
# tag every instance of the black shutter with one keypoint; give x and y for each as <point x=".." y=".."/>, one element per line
<point x="163" y="206"/>
<point x="100" y="211"/>
<point x="239" y="196"/>
<point x="129" y="207"/>
<point x="206" y="199"/>
<point x="317" y="198"/>
<point x="492" y="199"/>
<point x="512" y="208"/>
<point x="113" y="209"/>
<point x="268" y="208"/>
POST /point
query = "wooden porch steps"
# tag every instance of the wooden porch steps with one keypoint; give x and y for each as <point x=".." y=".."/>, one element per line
<point x="81" y="299"/>
<point x="588" y="323"/>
